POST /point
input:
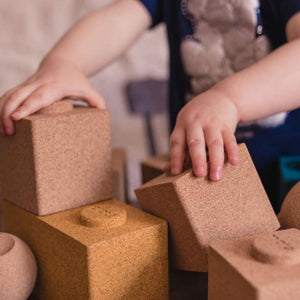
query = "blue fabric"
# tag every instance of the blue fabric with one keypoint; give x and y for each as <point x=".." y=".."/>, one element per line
<point x="266" y="144"/>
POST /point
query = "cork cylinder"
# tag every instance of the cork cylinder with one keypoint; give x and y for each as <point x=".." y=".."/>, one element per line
<point x="18" y="269"/>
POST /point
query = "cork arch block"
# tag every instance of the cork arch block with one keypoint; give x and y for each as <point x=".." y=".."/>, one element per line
<point x="263" y="267"/>
<point x="107" y="250"/>
<point x="289" y="216"/>
<point x="18" y="268"/>
<point x="200" y="212"/>
<point x="59" y="158"/>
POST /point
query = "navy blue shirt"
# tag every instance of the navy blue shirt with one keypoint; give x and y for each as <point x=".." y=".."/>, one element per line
<point x="264" y="144"/>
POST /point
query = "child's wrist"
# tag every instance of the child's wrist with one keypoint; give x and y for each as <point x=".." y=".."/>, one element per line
<point x="222" y="93"/>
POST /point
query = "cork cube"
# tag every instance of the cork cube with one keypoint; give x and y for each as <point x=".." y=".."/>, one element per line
<point x="200" y="211"/>
<point x="119" y="174"/>
<point x="289" y="215"/>
<point x="58" y="159"/>
<point x="154" y="166"/>
<point x="263" y="267"/>
<point x="108" y="250"/>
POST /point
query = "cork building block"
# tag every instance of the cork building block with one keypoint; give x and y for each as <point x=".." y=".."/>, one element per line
<point x="263" y="267"/>
<point x="154" y="166"/>
<point x="119" y="174"/>
<point x="58" y="159"/>
<point x="200" y="211"/>
<point x="289" y="216"/>
<point x="108" y="250"/>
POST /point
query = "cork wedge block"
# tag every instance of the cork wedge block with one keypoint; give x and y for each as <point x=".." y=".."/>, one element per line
<point x="58" y="159"/>
<point x="108" y="251"/>
<point x="263" y="267"/>
<point x="200" y="211"/>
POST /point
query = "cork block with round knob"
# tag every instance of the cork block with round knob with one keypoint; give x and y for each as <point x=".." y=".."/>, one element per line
<point x="154" y="166"/>
<point x="289" y="215"/>
<point x="108" y="250"/>
<point x="262" y="267"/>
<point x="200" y="211"/>
<point x="18" y="268"/>
<point x="59" y="158"/>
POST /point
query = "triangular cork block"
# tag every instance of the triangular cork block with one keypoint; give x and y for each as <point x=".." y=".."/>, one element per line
<point x="263" y="267"/>
<point x="58" y="159"/>
<point x="200" y="211"/>
<point x="108" y="250"/>
<point x="154" y="166"/>
<point x="289" y="216"/>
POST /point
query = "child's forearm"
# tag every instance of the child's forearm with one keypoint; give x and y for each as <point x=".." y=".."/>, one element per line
<point x="102" y="36"/>
<point x="271" y="85"/>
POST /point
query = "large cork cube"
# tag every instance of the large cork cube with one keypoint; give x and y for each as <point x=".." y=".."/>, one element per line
<point x="107" y="250"/>
<point x="58" y="159"/>
<point x="119" y="174"/>
<point x="264" y="267"/>
<point x="154" y="166"/>
<point x="200" y="211"/>
<point x="289" y="215"/>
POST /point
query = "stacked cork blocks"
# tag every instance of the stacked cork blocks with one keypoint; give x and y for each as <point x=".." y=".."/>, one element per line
<point x="200" y="212"/>
<point x="229" y="229"/>
<point x="57" y="183"/>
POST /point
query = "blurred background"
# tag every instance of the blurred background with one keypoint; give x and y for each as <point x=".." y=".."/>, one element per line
<point x="28" y="29"/>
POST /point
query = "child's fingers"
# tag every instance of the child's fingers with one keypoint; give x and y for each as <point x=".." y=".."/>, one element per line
<point x="94" y="99"/>
<point x="3" y="101"/>
<point x="214" y="142"/>
<point x="177" y="152"/>
<point x="41" y="97"/>
<point x="11" y="102"/>
<point x="196" y="145"/>
<point x="231" y="146"/>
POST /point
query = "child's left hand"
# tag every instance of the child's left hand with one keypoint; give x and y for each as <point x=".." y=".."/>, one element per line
<point x="209" y="120"/>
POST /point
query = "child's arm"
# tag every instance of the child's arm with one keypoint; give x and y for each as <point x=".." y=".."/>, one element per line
<point x="89" y="46"/>
<point x="270" y="86"/>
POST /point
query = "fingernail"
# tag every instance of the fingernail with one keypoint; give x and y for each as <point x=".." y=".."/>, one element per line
<point x="175" y="171"/>
<point x="17" y="115"/>
<point x="201" y="171"/>
<point x="235" y="159"/>
<point x="217" y="175"/>
<point x="9" y="130"/>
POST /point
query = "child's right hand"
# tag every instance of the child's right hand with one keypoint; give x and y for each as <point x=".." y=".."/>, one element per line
<point x="55" y="80"/>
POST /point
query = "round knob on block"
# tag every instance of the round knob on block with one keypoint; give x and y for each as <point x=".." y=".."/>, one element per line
<point x="57" y="107"/>
<point x="18" y="268"/>
<point x="282" y="247"/>
<point x="104" y="215"/>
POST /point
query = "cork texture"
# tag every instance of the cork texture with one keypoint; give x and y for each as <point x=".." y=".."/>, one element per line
<point x="264" y="267"/>
<point x="57" y="161"/>
<point x="200" y="211"/>
<point x="126" y="261"/>
<point x="18" y="268"/>
<point x="119" y="170"/>
<point x="289" y="215"/>
<point x="154" y="166"/>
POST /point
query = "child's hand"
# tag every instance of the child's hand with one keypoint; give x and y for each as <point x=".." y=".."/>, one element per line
<point x="53" y="81"/>
<point x="209" y="120"/>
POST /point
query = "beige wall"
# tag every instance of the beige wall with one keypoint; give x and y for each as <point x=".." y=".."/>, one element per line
<point x="28" y="28"/>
